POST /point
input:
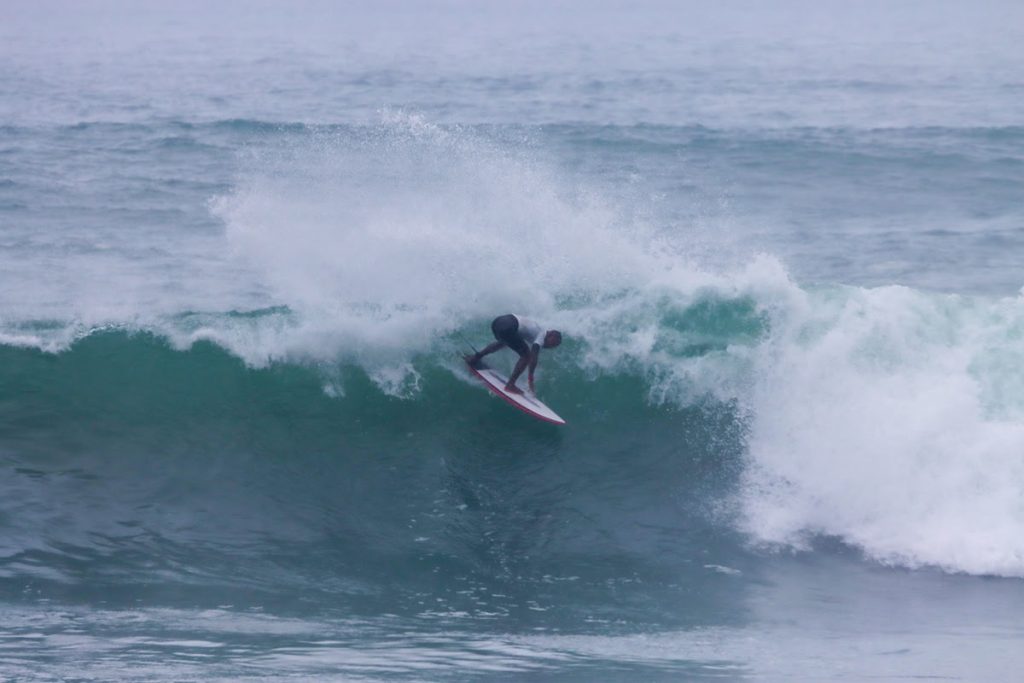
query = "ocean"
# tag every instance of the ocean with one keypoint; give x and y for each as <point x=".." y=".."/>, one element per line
<point x="243" y="245"/>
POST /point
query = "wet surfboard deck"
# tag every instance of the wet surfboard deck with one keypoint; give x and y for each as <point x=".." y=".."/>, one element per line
<point x="525" y="401"/>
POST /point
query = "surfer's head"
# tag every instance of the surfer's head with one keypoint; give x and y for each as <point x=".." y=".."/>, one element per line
<point x="552" y="339"/>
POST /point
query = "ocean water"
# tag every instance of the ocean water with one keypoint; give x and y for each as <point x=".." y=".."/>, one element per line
<point x="242" y="246"/>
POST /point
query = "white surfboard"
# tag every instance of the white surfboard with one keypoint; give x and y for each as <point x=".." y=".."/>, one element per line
<point x="526" y="401"/>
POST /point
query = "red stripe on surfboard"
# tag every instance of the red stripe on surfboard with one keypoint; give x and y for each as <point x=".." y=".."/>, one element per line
<point x="494" y="390"/>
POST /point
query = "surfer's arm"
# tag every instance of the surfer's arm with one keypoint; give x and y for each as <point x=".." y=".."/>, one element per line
<point x="490" y="348"/>
<point x="534" y="357"/>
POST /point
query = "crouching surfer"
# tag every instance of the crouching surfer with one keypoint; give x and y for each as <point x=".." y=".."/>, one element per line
<point x="523" y="336"/>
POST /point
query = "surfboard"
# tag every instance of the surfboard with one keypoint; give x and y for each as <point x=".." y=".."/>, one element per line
<point x="526" y="401"/>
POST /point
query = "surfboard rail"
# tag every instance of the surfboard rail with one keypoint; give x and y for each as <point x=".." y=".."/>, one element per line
<point x="525" y="401"/>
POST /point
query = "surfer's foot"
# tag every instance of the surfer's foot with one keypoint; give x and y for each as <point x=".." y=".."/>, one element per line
<point x="513" y="389"/>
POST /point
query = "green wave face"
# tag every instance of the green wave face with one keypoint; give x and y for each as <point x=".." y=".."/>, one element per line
<point x="135" y="469"/>
<point x="711" y="426"/>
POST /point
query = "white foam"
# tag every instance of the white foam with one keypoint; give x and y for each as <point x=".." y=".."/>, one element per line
<point x="383" y="242"/>
<point x="879" y="418"/>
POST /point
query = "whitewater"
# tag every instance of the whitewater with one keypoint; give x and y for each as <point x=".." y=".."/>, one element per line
<point x="242" y="251"/>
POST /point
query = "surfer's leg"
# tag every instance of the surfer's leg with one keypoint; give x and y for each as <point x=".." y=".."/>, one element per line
<point x="518" y="370"/>
<point x="504" y="326"/>
<point x="506" y="330"/>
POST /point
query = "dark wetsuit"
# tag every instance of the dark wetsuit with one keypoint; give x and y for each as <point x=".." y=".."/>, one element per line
<point x="519" y="338"/>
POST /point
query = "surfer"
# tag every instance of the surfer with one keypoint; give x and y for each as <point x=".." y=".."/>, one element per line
<point x="525" y="338"/>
